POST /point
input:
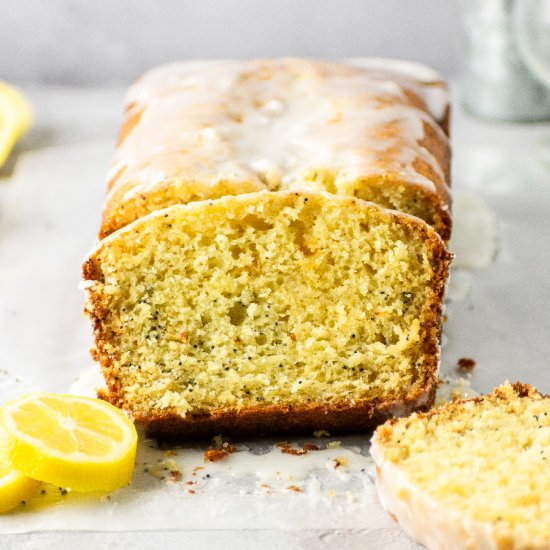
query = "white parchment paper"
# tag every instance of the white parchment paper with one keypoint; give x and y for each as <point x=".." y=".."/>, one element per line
<point x="49" y="214"/>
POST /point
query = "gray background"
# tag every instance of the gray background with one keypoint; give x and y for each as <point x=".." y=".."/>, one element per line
<point x="101" y="42"/>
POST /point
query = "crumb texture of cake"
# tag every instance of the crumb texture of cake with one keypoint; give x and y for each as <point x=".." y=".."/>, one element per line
<point x="471" y="474"/>
<point x="202" y="130"/>
<point x="268" y="312"/>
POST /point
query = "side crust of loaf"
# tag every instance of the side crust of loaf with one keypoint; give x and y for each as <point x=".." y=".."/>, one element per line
<point x="279" y="418"/>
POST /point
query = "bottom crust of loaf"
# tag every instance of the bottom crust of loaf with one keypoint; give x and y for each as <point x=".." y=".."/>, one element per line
<point x="304" y="419"/>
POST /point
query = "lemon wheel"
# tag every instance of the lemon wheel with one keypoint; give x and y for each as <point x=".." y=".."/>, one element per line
<point x="77" y="443"/>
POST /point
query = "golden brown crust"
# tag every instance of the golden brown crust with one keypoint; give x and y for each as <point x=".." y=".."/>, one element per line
<point x="521" y="390"/>
<point x="280" y="419"/>
<point x="284" y="418"/>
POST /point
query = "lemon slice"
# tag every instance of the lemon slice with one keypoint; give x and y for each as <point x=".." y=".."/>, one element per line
<point x="15" y="118"/>
<point x="78" y="443"/>
<point x="15" y="488"/>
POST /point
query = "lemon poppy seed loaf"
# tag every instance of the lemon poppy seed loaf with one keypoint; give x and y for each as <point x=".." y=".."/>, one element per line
<point x="472" y="474"/>
<point x="268" y="312"/>
<point x="243" y="284"/>
<point x="203" y="130"/>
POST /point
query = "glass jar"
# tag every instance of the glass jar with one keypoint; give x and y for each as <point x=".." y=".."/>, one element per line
<point x="497" y="83"/>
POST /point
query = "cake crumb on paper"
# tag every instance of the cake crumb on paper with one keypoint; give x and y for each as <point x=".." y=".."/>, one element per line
<point x="340" y="461"/>
<point x="466" y="364"/>
<point x="175" y="476"/>
<point x="214" y="455"/>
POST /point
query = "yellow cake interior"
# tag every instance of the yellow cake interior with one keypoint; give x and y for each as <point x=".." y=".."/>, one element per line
<point x="268" y="298"/>
<point x="487" y="459"/>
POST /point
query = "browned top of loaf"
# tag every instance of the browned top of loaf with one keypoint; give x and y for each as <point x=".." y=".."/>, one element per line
<point x="203" y="130"/>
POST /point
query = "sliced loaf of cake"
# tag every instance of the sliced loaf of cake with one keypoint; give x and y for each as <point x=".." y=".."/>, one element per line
<point x="473" y="474"/>
<point x="268" y="312"/>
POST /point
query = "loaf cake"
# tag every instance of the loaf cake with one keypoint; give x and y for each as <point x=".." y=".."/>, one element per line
<point x="472" y="474"/>
<point x="268" y="312"/>
<point x="202" y="130"/>
<point x="243" y="284"/>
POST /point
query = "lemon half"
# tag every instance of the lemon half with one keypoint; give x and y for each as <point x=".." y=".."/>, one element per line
<point x="77" y="443"/>
<point x="15" y="118"/>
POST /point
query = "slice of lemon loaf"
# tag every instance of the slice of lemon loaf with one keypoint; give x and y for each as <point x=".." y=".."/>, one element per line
<point x="471" y="474"/>
<point x="203" y="130"/>
<point x="268" y="312"/>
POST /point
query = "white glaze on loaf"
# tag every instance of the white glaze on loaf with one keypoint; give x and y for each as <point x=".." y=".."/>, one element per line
<point x="279" y="124"/>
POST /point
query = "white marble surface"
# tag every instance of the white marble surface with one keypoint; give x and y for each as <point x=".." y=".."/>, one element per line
<point x="49" y="213"/>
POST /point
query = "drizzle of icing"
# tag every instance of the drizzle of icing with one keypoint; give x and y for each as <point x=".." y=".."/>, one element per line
<point x="425" y="81"/>
<point x="475" y="241"/>
<point x="277" y="124"/>
<point x="452" y="388"/>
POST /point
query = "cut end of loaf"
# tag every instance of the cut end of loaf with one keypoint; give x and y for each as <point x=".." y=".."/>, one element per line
<point x="387" y="191"/>
<point x="482" y="462"/>
<point x="268" y="311"/>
